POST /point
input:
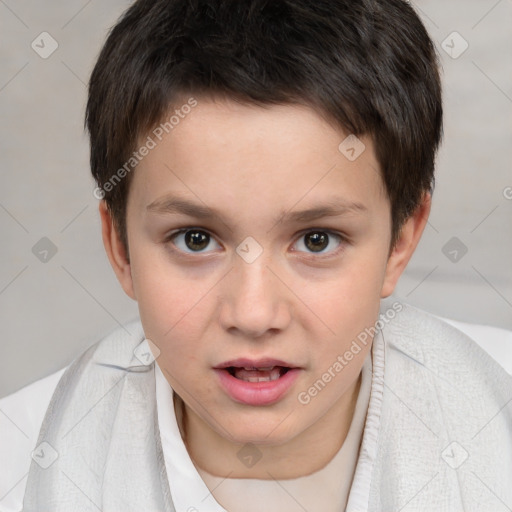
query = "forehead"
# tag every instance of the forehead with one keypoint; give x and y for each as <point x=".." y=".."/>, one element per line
<point x="250" y="158"/>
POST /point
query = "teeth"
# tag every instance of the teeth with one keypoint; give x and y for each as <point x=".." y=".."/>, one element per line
<point x="275" y="373"/>
<point x="258" y="375"/>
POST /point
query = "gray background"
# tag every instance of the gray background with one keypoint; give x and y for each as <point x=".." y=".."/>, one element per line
<point x="50" y="311"/>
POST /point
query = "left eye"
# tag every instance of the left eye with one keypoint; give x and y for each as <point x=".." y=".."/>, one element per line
<point x="319" y="241"/>
<point x="192" y="240"/>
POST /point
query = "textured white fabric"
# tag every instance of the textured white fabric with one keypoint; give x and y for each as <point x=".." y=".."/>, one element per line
<point x="21" y="415"/>
<point x="495" y="341"/>
<point x="99" y="443"/>
<point x="439" y="429"/>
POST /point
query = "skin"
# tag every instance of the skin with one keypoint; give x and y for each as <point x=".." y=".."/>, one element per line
<point x="251" y="164"/>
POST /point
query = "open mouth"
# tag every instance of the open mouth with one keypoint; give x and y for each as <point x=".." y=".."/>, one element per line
<point x="252" y="374"/>
<point x="257" y="382"/>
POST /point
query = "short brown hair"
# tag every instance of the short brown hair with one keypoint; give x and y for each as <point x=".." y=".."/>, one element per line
<point x="368" y="66"/>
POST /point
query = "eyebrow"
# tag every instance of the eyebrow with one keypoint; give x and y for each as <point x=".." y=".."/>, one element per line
<point x="333" y="207"/>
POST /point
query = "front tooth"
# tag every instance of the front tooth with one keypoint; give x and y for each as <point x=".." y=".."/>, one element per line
<point x="258" y="379"/>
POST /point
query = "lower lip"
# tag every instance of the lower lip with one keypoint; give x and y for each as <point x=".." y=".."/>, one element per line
<point x="257" y="393"/>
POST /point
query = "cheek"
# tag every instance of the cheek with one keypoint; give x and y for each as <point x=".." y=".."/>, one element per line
<point x="349" y="300"/>
<point x="171" y="307"/>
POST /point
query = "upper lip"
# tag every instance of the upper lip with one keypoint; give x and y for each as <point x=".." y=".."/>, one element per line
<point x="254" y="363"/>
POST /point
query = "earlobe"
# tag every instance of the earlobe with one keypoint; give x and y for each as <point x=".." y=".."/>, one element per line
<point x="115" y="250"/>
<point x="410" y="236"/>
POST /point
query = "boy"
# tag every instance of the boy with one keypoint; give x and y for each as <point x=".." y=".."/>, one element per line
<point x="264" y="171"/>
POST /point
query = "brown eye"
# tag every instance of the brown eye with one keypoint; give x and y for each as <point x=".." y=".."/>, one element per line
<point x="196" y="240"/>
<point x="321" y="242"/>
<point x="316" y="241"/>
<point x="192" y="240"/>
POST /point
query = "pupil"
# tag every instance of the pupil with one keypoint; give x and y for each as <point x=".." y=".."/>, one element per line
<point x="196" y="240"/>
<point x="317" y="241"/>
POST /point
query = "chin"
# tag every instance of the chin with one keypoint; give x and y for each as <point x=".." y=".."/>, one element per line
<point x="262" y="431"/>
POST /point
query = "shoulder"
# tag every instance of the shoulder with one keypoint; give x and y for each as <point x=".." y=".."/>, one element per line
<point x="497" y="342"/>
<point x="441" y="406"/>
<point x="21" y="415"/>
<point x="457" y="351"/>
<point x="33" y="399"/>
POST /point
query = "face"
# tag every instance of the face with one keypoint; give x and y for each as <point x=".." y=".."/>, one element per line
<point x="258" y="252"/>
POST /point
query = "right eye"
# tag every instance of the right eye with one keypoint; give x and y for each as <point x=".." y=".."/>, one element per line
<point x="191" y="240"/>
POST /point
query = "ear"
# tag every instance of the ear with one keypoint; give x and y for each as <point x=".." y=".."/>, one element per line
<point x="410" y="235"/>
<point x="115" y="251"/>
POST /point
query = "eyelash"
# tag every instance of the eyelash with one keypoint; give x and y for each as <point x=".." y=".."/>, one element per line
<point x="343" y="240"/>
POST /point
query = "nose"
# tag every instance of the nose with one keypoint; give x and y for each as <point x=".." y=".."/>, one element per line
<point x="255" y="301"/>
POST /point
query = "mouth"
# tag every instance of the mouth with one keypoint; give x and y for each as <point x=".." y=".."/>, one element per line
<point x="257" y="382"/>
